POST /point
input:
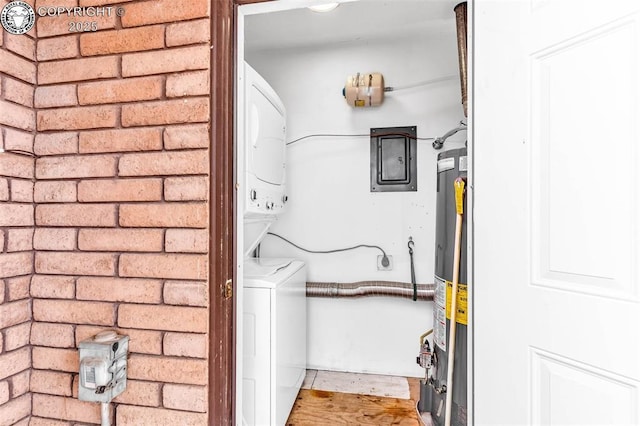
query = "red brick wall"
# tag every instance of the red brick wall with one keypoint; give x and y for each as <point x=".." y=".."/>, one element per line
<point x="121" y="211"/>
<point x="17" y="131"/>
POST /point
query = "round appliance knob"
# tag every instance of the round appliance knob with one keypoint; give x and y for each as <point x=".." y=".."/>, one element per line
<point x="285" y="199"/>
<point x="253" y="195"/>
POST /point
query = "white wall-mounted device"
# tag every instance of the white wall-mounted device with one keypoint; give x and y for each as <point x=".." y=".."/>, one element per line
<point x="103" y="366"/>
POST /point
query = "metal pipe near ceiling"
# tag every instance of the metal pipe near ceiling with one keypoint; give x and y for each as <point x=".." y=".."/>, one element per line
<point x="369" y="288"/>
<point x="461" y="26"/>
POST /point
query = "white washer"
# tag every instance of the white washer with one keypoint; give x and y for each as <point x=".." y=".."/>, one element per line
<point x="274" y="293"/>
<point x="275" y="347"/>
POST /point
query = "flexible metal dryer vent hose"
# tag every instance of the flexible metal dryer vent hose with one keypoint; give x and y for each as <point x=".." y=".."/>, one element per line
<point x="369" y="288"/>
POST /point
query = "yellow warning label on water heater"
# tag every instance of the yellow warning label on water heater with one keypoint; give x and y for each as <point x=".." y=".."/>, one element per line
<point x="461" y="304"/>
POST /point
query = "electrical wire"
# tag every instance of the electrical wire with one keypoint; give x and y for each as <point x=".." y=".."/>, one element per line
<point x="420" y="83"/>
<point x="384" y="254"/>
<point x="316" y="135"/>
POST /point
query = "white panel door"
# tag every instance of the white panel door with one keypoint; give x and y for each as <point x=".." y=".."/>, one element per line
<point x="556" y="182"/>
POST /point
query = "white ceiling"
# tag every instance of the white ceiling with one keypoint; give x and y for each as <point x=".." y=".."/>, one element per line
<point x="355" y="21"/>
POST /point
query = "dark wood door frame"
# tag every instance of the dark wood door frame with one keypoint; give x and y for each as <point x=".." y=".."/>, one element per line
<point x="222" y="218"/>
<point x="222" y="244"/>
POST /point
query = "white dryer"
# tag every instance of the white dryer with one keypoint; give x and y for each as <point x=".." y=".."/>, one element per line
<point x="274" y="293"/>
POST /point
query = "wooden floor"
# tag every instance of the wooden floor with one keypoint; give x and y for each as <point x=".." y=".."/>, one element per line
<point x="317" y="407"/>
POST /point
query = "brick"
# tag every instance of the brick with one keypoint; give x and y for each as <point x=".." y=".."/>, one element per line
<point x="12" y="214"/>
<point x="27" y="420"/>
<point x="77" y="69"/>
<point x="121" y="140"/>
<point x="176" y="266"/>
<point x="140" y="341"/>
<point x="75" y="215"/>
<point x="191" y="32"/>
<point x="166" y="61"/>
<point x="119" y="290"/>
<point x="16" y="165"/>
<point x="59" y="25"/>
<point x="4" y="192"/>
<point x="170" y="318"/>
<point x="147" y="240"/>
<point x="130" y="415"/>
<point x="154" y="12"/>
<point x="169" y="370"/>
<point x="18" y="67"/>
<point x="185" y="344"/>
<point x="55" y="359"/>
<point x="20" y="383"/>
<point x="187" y="215"/>
<point x="187" y="241"/>
<point x="55" y="192"/>
<point x="124" y="40"/>
<point x="16" y="409"/>
<point x="53" y="287"/>
<point x="189" y="136"/>
<point x="14" y="313"/>
<point x="185" y="293"/>
<point x="52" y="335"/>
<point x="2" y="239"/>
<point x="140" y="393"/>
<point x="23" y="46"/>
<point x="56" y="96"/>
<point x="188" y="110"/>
<point x="2" y="292"/>
<point x="188" y="398"/>
<point x="39" y="421"/>
<point x="56" y="3"/>
<point x="17" y="116"/>
<point x="61" y="407"/>
<point x="18" y="92"/>
<point x="4" y="391"/>
<point x="19" y="239"/>
<point x="188" y="84"/>
<point x="18" y="288"/>
<point x="51" y="382"/>
<point x="14" y="362"/>
<point x="58" y="48"/>
<point x="76" y="167"/>
<point x="54" y="239"/>
<point x="120" y="190"/>
<point x="73" y="312"/>
<point x="164" y="163"/>
<point x="77" y="118"/>
<point x="74" y="263"/>
<point x="20" y="45"/>
<point x="16" y="139"/>
<point x="16" y="337"/>
<point x="21" y="191"/>
<point x="127" y="90"/>
<point x="14" y="264"/>
<point x="56" y="143"/>
<point x="101" y="2"/>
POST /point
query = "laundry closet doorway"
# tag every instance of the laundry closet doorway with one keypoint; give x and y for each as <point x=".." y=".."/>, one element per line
<point x="330" y="202"/>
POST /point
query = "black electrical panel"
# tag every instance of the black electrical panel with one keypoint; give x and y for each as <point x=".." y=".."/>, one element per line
<point x="393" y="159"/>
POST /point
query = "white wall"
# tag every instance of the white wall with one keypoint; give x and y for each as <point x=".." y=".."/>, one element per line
<point x="331" y="205"/>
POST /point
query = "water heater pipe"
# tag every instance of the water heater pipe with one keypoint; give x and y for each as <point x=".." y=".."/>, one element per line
<point x="370" y="288"/>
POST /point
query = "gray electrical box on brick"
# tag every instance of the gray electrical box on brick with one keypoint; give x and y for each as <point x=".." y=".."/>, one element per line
<point x="103" y="366"/>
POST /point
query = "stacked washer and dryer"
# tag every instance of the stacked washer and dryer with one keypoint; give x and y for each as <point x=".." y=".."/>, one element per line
<point x="274" y="293"/>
